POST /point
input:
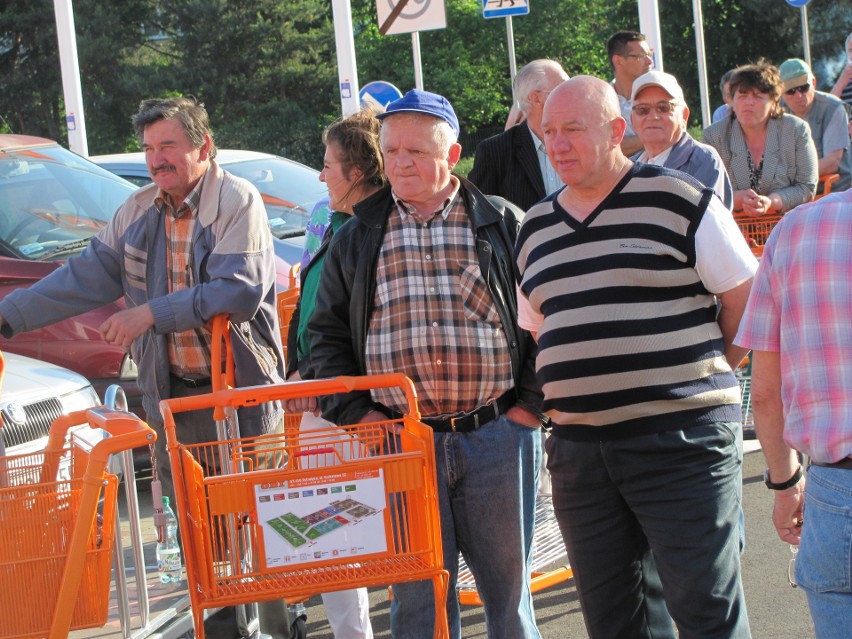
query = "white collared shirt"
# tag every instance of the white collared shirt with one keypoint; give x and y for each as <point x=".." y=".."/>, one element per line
<point x="552" y="181"/>
<point x="657" y="160"/>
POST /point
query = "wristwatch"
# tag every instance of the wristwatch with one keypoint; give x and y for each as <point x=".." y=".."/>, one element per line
<point x="784" y="485"/>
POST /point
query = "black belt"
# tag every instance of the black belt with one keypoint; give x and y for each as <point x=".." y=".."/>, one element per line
<point x="192" y="382"/>
<point x="468" y="422"/>
<point x="845" y="463"/>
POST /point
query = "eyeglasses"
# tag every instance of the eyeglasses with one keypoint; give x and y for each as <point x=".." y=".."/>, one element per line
<point x="639" y="56"/>
<point x="800" y="89"/>
<point x="662" y="108"/>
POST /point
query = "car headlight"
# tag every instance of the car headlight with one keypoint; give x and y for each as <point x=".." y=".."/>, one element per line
<point x="79" y="400"/>
<point x="128" y="369"/>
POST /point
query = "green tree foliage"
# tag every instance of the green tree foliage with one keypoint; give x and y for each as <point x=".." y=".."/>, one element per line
<point x="31" y="101"/>
<point x="469" y="60"/>
<point x="743" y="31"/>
<point x="29" y="68"/>
<point x="267" y="69"/>
<point x="114" y="69"/>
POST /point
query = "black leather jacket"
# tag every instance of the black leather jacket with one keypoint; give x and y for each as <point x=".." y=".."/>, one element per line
<point x="339" y="323"/>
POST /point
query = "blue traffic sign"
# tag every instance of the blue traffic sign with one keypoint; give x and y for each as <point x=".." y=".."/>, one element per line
<point x="379" y="92"/>
<point x="504" y="8"/>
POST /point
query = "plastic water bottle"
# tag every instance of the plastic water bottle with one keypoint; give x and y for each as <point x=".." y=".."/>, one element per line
<point x="168" y="550"/>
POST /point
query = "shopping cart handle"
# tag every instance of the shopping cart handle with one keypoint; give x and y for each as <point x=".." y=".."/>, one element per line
<point x="126" y="431"/>
<point x="347" y="384"/>
<point x="253" y="395"/>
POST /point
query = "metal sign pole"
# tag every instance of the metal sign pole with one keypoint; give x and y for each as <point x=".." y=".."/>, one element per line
<point x="510" y="37"/>
<point x="806" y="39"/>
<point x="698" y="18"/>
<point x="347" y="70"/>
<point x="418" y="67"/>
<point x="75" y="118"/>
<point x="649" y="24"/>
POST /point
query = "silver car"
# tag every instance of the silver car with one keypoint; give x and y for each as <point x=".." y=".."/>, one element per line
<point x="33" y="394"/>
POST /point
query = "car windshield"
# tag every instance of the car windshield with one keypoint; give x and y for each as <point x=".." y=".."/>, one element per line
<point x="52" y="202"/>
<point x="289" y="191"/>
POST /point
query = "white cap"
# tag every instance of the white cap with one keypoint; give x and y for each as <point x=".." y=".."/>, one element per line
<point x="665" y="81"/>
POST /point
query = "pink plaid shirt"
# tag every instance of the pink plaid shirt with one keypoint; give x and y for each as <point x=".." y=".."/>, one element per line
<point x="801" y="307"/>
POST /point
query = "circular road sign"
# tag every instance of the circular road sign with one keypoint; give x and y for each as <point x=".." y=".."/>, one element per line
<point x="379" y="92"/>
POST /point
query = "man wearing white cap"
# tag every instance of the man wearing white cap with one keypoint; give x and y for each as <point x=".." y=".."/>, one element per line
<point x="826" y="116"/>
<point x="659" y="115"/>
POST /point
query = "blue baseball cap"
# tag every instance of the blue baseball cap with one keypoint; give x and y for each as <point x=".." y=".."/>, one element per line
<point x="417" y="101"/>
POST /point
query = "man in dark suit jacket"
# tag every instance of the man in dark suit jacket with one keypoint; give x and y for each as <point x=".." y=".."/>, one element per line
<point x="509" y="164"/>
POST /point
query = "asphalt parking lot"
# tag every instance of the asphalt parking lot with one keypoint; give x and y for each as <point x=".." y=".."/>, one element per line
<point x="776" y="610"/>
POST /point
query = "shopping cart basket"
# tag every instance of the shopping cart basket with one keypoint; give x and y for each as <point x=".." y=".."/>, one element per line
<point x="756" y="229"/>
<point x="743" y="374"/>
<point x="57" y="525"/>
<point x="254" y="532"/>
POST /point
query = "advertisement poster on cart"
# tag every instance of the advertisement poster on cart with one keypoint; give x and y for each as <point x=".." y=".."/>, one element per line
<point x="336" y="516"/>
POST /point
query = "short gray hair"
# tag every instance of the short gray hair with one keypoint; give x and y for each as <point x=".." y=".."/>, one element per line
<point x="188" y="111"/>
<point x="533" y="77"/>
<point x="442" y="132"/>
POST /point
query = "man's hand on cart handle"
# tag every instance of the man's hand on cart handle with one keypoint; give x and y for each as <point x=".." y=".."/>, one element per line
<point x="300" y="404"/>
<point x="391" y="427"/>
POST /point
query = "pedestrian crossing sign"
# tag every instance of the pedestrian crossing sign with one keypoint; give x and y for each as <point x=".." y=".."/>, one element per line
<point x="505" y="8"/>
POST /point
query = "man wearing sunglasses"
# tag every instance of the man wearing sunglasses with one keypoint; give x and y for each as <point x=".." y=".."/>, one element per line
<point x="630" y="56"/>
<point x="826" y="116"/>
<point x="659" y="116"/>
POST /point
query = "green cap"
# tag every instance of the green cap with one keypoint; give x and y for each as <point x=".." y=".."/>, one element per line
<point x="794" y="73"/>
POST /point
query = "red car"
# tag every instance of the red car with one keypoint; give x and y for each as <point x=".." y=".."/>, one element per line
<point x="52" y="202"/>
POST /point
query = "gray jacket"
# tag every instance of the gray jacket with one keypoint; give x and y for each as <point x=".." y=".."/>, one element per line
<point x="789" y="158"/>
<point x="233" y="272"/>
<point x="702" y="162"/>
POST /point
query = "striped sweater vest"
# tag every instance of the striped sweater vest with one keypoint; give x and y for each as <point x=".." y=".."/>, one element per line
<point x="629" y="344"/>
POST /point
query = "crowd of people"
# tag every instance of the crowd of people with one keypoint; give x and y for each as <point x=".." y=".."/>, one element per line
<point x="588" y="279"/>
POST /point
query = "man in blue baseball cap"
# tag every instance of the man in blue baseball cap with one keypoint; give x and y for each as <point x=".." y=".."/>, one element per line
<point x="421" y="282"/>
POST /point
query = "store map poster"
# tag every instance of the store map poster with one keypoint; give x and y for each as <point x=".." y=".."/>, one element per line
<point x="336" y="516"/>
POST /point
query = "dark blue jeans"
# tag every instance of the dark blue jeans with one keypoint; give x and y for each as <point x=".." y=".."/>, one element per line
<point x="651" y="525"/>
<point x="487" y="482"/>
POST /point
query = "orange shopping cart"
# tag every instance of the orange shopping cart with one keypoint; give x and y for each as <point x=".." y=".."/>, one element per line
<point x="340" y="514"/>
<point x="756" y="229"/>
<point x="57" y="525"/>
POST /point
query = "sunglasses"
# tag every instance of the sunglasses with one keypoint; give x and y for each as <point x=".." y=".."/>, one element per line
<point x="801" y="89"/>
<point x="639" y="56"/>
<point x="662" y="108"/>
